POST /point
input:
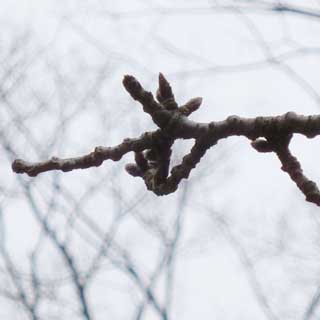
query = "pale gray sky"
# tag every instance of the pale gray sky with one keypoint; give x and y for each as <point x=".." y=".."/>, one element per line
<point x="247" y="231"/>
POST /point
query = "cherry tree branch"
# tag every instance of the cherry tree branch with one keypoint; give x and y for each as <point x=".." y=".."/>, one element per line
<point x="153" y="149"/>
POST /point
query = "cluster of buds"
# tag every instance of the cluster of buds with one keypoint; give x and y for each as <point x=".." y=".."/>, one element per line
<point x="153" y="165"/>
<point x="153" y="149"/>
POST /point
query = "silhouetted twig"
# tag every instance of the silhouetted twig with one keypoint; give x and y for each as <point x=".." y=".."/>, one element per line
<point x="153" y="149"/>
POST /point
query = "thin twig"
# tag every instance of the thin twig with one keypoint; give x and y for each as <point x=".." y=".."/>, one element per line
<point x="153" y="149"/>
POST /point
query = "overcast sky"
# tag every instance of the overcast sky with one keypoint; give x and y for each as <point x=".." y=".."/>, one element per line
<point x="247" y="231"/>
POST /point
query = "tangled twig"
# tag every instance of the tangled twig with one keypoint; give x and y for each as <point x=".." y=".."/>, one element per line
<point x="153" y="149"/>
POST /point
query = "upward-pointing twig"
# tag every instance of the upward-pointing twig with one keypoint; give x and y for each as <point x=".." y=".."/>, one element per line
<point x="153" y="149"/>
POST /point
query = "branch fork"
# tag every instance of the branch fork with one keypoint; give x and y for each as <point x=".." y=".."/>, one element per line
<point x="153" y="150"/>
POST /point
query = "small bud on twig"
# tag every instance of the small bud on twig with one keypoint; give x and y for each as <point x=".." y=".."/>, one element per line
<point x="133" y="170"/>
<point x="191" y="106"/>
<point x="262" y="145"/>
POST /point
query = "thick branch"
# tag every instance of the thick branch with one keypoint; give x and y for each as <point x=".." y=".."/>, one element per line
<point x="153" y="149"/>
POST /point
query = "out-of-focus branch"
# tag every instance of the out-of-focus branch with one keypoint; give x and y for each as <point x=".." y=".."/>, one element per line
<point x="146" y="290"/>
<point x="67" y="256"/>
<point x="173" y="247"/>
<point x="249" y="6"/>
<point x="21" y="295"/>
<point x="313" y="305"/>
<point x="282" y="7"/>
<point x="247" y="264"/>
<point x="166" y="264"/>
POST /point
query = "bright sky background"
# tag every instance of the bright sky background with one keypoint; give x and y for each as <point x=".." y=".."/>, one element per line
<point x="241" y="62"/>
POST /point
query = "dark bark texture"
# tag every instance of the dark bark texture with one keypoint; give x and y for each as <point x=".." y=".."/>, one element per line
<point x="153" y="149"/>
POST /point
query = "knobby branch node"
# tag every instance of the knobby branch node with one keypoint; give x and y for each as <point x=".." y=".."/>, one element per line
<point x="153" y="149"/>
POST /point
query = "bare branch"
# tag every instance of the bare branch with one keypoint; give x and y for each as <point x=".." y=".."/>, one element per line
<point x="153" y="149"/>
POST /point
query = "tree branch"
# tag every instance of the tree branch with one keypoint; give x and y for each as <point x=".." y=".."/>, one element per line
<point x="153" y="149"/>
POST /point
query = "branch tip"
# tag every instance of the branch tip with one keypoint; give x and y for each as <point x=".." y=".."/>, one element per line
<point x="133" y="86"/>
<point x="133" y="170"/>
<point x="153" y="149"/>
<point x="191" y="106"/>
<point x="164" y="92"/>
<point x="17" y="166"/>
<point x="261" y="145"/>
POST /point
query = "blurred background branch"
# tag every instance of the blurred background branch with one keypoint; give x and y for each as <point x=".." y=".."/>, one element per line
<point x="235" y="242"/>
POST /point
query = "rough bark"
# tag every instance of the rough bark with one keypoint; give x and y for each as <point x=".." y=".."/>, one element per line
<point x="153" y="149"/>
